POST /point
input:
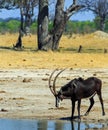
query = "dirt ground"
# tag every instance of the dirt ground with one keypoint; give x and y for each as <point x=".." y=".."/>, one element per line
<point x="24" y="75"/>
<point x="24" y="93"/>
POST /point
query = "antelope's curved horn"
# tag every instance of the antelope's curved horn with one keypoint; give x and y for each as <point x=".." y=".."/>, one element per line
<point x="50" y="86"/>
<point x="54" y="82"/>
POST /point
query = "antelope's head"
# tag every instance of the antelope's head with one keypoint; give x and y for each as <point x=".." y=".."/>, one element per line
<point x="65" y="91"/>
<point x="53" y="87"/>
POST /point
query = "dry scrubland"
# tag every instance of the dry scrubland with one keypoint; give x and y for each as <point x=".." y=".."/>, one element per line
<point x="24" y="91"/>
<point x="30" y="58"/>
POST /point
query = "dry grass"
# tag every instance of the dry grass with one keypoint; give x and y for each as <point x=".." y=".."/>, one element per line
<point x="91" y="42"/>
<point x="8" y="40"/>
<point x="66" y="57"/>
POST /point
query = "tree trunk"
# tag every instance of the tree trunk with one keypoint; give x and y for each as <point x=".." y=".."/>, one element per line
<point x="43" y="36"/>
<point x="50" y="40"/>
<point x="26" y="13"/>
<point x="18" y="44"/>
<point x="61" y="18"/>
<point x="21" y="32"/>
<point x="59" y="24"/>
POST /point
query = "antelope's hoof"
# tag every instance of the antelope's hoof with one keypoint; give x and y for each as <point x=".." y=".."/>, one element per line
<point x="86" y="114"/>
<point x="72" y="118"/>
<point x="103" y="114"/>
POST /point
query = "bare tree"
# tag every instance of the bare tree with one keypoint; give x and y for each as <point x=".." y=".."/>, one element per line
<point x="2" y="3"/>
<point x="7" y="4"/>
<point x="26" y="11"/>
<point x="50" y="40"/>
<point x="99" y="8"/>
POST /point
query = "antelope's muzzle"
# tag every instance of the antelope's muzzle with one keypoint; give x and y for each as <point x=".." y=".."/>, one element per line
<point x="57" y="103"/>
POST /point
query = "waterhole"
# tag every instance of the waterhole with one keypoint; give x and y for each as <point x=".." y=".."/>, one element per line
<point x="24" y="124"/>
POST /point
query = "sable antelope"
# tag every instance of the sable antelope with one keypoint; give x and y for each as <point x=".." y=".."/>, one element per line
<point x="76" y="90"/>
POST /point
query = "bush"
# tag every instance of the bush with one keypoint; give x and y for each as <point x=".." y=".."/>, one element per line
<point x="13" y="26"/>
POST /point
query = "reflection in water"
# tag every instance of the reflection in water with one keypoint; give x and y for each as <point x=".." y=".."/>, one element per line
<point x="11" y="124"/>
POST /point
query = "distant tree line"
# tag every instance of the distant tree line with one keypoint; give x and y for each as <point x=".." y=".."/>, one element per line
<point x="81" y="27"/>
<point x="12" y="26"/>
<point x="48" y="31"/>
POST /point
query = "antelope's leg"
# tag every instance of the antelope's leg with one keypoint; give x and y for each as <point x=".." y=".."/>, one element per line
<point x="101" y="101"/>
<point x="73" y="108"/>
<point x="91" y="105"/>
<point x="78" y="108"/>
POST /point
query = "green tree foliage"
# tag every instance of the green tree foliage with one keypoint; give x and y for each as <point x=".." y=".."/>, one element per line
<point x="33" y="28"/>
<point x="12" y="26"/>
<point x="106" y="27"/>
<point x="80" y="27"/>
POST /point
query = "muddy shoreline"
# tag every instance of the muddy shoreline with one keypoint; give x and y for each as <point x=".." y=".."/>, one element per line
<point x="24" y="94"/>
